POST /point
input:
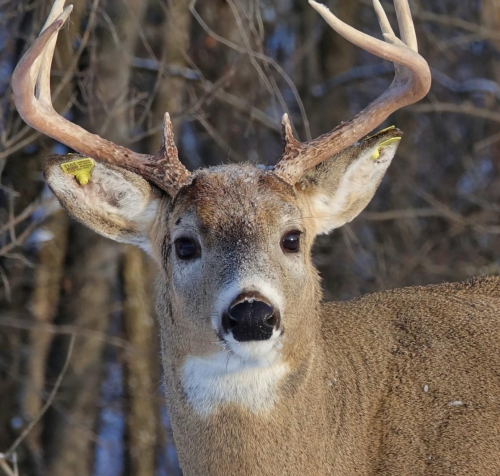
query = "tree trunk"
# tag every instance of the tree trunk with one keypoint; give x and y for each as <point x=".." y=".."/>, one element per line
<point x="139" y="326"/>
<point x="170" y="96"/>
<point x="87" y="302"/>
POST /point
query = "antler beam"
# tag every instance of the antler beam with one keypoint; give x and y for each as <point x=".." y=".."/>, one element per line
<point x="31" y="87"/>
<point x="411" y="83"/>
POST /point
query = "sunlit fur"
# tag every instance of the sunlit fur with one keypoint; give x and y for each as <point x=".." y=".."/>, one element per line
<point x="363" y="387"/>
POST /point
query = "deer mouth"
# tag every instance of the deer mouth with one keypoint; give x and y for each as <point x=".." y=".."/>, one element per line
<point x="265" y="351"/>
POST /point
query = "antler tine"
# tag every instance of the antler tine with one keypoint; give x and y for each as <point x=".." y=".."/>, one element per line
<point x="406" y="26"/>
<point x="411" y="83"/>
<point x="31" y="88"/>
<point x="383" y="21"/>
<point x="169" y="156"/>
<point x="57" y="12"/>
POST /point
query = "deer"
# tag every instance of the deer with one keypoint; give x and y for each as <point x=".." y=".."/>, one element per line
<point x="262" y="376"/>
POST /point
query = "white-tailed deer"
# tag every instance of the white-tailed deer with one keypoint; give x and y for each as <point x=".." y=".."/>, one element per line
<point x="262" y="377"/>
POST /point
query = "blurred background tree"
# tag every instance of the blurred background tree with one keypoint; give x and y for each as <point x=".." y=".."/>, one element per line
<point x="77" y="316"/>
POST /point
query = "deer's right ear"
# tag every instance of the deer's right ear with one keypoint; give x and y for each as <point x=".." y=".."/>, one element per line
<point x="115" y="202"/>
<point x="339" y="188"/>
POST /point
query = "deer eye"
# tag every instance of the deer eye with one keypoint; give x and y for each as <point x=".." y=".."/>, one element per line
<point x="186" y="248"/>
<point x="290" y="243"/>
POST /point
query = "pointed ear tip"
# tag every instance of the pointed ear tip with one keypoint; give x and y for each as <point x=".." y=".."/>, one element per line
<point x="390" y="141"/>
<point x="387" y="133"/>
<point x="395" y="133"/>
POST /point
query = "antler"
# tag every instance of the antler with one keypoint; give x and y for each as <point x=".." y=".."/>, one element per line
<point x="411" y="83"/>
<point x="31" y="86"/>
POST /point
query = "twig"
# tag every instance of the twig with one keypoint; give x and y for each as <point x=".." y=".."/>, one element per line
<point x="260" y="56"/>
<point x="401" y="214"/>
<point x="6" y="284"/>
<point x="4" y="465"/>
<point x="452" y="216"/>
<point x="248" y="49"/>
<point x="20" y="145"/>
<point x="243" y="106"/>
<point x="20" y="239"/>
<point x="151" y="64"/>
<point x="65" y="330"/>
<point x="445" y="20"/>
<point x="439" y="211"/>
<point x="14" y="462"/>
<point x="482" y="85"/>
<point x="486" y="142"/>
<point x="217" y="138"/>
<point x="26" y="213"/>
<point x="457" y="109"/>
<point x="357" y="72"/>
<point x="213" y="89"/>
<point x="42" y="411"/>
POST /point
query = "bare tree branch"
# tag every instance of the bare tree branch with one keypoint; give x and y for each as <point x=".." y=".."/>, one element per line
<point x="49" y="401"/>
<point x="463" y="108"/>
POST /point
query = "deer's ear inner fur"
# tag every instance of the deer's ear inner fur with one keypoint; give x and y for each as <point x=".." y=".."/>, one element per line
<point x="115" y="203"/>
<point x="338" y="189"/>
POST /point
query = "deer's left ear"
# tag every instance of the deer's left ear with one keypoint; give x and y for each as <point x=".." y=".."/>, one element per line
<point x="112" y="201"/>
<point x="338" y="189"/>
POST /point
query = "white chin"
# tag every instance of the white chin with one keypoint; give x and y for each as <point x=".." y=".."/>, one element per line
<point x="264" y="352"/>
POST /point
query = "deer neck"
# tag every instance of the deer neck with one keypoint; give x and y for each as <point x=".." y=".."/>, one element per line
<point x="224" y="412"/>
<point x="233" y="417"/>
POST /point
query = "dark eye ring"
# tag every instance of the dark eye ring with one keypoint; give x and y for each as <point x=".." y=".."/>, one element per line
<point x="290" y="243"/>
<point x="186" y="248"/>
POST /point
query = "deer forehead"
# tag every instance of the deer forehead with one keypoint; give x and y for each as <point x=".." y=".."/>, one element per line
<point x="236" y="200"/>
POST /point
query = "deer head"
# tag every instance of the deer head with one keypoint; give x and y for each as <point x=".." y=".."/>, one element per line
<point x="233" y="242"/>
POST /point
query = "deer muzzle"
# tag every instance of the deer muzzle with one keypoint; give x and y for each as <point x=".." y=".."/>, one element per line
<point x="250" y="317"/>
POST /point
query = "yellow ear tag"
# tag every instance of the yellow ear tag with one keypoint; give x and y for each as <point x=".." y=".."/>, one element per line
<point x="81" y="169"/>
<point x="392" y="140"/>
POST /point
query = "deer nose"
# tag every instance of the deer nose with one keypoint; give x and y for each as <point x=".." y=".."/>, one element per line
<point x="250" y="319"/>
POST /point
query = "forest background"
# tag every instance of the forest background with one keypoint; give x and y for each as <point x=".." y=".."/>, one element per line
<point x="78" y="332"/>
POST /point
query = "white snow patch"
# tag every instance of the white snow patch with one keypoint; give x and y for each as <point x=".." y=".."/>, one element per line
<point x="41" y="235"/>
<point x="334" y="379"/>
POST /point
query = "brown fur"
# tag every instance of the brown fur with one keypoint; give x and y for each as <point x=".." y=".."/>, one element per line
<point x="402" y="382"/>
<point x="398" y="382"/>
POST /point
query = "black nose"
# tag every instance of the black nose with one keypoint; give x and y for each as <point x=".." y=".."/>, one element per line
<point x="250" y="319"/>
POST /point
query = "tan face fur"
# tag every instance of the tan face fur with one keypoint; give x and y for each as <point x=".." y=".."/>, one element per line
<point x="227" y="212"/>
<point x="237" y="215"/>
